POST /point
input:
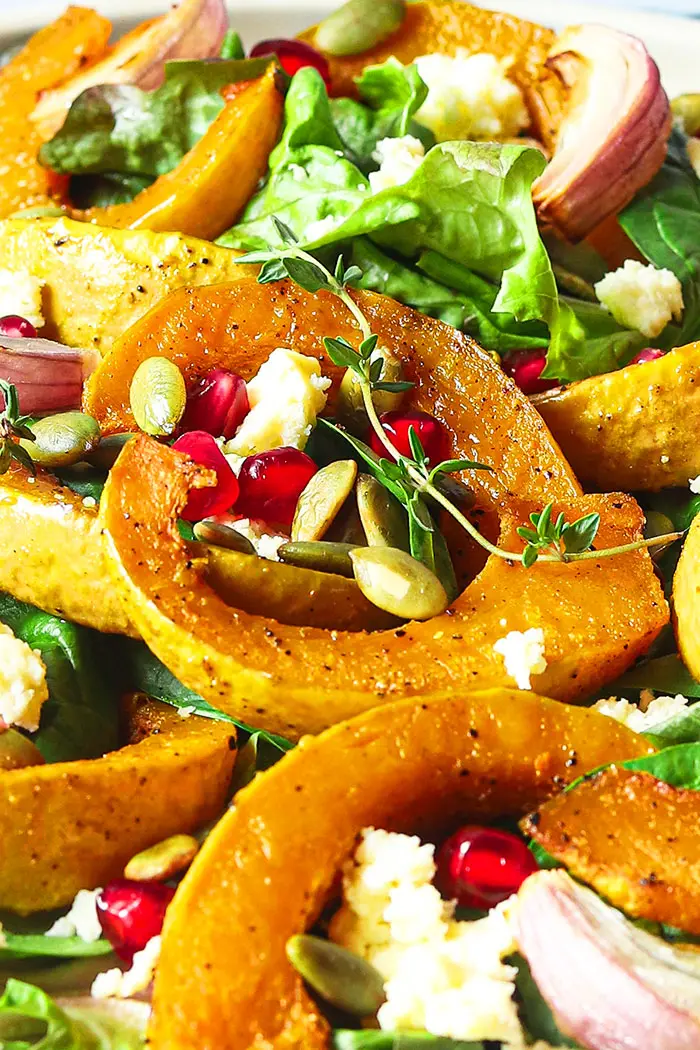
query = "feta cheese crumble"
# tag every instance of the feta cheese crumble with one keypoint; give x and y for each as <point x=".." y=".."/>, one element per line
<point x="441" y="976"/>
<point x="82" y="920"/>
<point x="264" y="540"/>
<point x="470" y="97"/>
<point x="20" y="293"/>
<point x="694" y="485"/>
<point x="641" y="297"/>
<point x="116" y="984"/>
<point x="642" y="719"/>
<point x="23" y="688"/>
<point x="285" y="398"/>
<point x="398" y="160"/>
<point x="523" y="654"/>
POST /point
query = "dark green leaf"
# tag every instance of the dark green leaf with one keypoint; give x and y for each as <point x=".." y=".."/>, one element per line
<point x="374" y="465"/>
<point x="579" y="535"/>
<point x="20" y="453"/>
<point x="419" y="513"/>
<point x="543" y="522"/>
<point x="528" y="534"/>
<point x="352" y="274"/>
<point x="371" y="1039"/>
<point x="255" y="258"/>
<point x="393" y="388"/>
<point x="258" y="753"/>
<point x="416" y="446"/>
<point x="102" y="191"/>
<point x="535" y="1015"/>
<point x="683" y="728"/>
<point x="544" y="859"/>
<point x="272" y="271"/>
<point x="530" y="556"/>
<point x="375" y="370"/>
<point x="308" y="276"/>
<point x="678" y="765"/>
<point x="341" y="353"/>
<point x="368" y="346"/>
<point x="232" y="46"/>
<point x="24" y="946"/>
<point x="286" y="233"/>
<point x="453" y="466"/>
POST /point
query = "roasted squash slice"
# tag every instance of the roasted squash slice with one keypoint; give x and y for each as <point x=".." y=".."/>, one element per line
<point x="73" y="825"/>
<point x="269" y="867"/>
<point x="448" y="26"/>
<point x="595" y="620"/>
<point x="633" y="838"/>
<point x="206" y="192"/>
<point x="51" y="56"/>
<point x="686" y="600"/>
<point x="634" y="429"/>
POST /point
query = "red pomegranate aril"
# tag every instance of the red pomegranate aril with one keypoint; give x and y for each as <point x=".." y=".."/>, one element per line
<point x="15" y="327"/>
<point x="525" y="367"/>
<point x="649" y="353"/>
<point x="480" y="867"/>
<point x="218" y="404"/>
<point x="130" y="913"/>
<point x="294" y="55"/>
<point x="271" y="483"/>
<point x="396" y="426"/>
<point x="203" y="449"/>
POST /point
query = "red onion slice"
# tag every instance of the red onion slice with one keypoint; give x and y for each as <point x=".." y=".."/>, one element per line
<point x="49" y="376"/>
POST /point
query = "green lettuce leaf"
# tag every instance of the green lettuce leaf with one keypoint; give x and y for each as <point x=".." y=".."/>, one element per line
<point x="118" y="128"/>
<point x="39" y="946"/>
<point x="101" y="191"/>
<point x="371" y="1039"/>
<point x="81" y="717"/>
<point x="31" y="1020"/>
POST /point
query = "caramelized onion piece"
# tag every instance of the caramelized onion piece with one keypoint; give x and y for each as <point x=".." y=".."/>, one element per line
<point x="613" y="138"/>
<point x="194" y="30"/>
<point x="48" y="376"/>
<point x="610" y="985"/>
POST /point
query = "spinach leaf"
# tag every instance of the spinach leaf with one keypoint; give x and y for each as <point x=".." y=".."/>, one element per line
<point x="608" y="346"/>
<point x="81" y="717"/>
<point x="683" y="728"/>
<point x="28" y="945"/>
<point x="260" y="752"/>
<point x="101" y="191"/>
<point x="678" y="765"/>
<point x="390" y="94"/>
<point x="667" y="675"/>
<point x="118" y="128"/>
<point x="535" y="1015"/>
<point x="371" y="1039"/>
<point x="84" y="482"/>
<point x="663" y="221"/>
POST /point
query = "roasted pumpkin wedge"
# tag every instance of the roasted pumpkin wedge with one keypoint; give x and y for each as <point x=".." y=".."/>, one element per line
<point x="686" y="600"/>
<point x="633" y="838"/>
<point x="206" y="192"/>
<point x="53" y="54"/>
<point x="269" y="867"/>
<point x="98" y="281"/>
<point x="447" y="26"/>
<point x="633" y="429"/>
<point x="595" y="621"/>
<point x="73" y="825"/>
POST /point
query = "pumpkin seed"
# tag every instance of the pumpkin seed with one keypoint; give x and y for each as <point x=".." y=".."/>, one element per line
<point x="17" y="751"/>
<point x="63" y="439"/>
<point x="158" y="396"/>
<point x="340" y="977"/>
<point x="383" y="518"/>
<point x="359" y="25"/>
<point x="658" y="524"/>
<point x="687" y="107"/>
<point x="107" y="452"/>
<point x="320" y="555"/>
<point x="321" y="500"/>
<point x="218" y="535"/>
<point x="394" y="581"/>
<point x="40" y="212"/>
<point x="162" y="861"/>
<point x="350" y="409"/>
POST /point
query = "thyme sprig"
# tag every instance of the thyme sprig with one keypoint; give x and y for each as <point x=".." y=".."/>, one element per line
<point x="13" y="426"/>
<point x="412" y="478"/>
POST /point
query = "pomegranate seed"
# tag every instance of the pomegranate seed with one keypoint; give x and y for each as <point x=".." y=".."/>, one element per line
<point x="271" y="484"/>
<point x="648" y="354"/>
<point x="396" y="426"/>
<point x="130" y="913"/>
<point x="479" y="867"/>
<point x="218" y="404"/>
<point x="294" y="55"/>
<point x="16" y="327"/>
<point x="202" y="448"/>
<point x="526" y="367"/>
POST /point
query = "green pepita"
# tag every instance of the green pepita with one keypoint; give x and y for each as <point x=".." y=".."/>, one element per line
<point x="164" y="860"/>
<point x="340" y="977"/>
<point x="322" y="499"/>
<point x="658" y="524"/>
<point x="18" y="752"/>
<point x="383" y="518"/>
<point x="107" y="452"/>
<point x="63" y="439"/>
<point x="350" y="409"/>
<point x="320" y="555"/>
<point x="158" y="396"/>
<point x="687" y="107"/>
<point x="218" y="535"/>
<point x="394" y="581"/>
<point x="359" y="25"/>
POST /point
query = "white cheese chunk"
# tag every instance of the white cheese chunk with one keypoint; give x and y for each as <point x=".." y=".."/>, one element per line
<point x="470" y="97"/>
<point x="20" y="293"/>
<point x="642" y="719"/>
<point x="115" y="984"/>
<point x="398" y="160"/>
<point x="23" y="688"/>
<point x="641" y="297"/>
<point x="82" y="920"/>
<point x="523" y="654"/>
<point x="694" y="485"/>
<point x="266" y="541"/>
<point x="286" y="396"/>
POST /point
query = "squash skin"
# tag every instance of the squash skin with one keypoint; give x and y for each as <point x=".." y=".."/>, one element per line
<point x="268" y="868"/>
<point x="611" y="427"/>
<point x="686" y="600"/>
<point x="631" y="837"/>
<point x="249" y="665"/>
<point x="74" y="825"/>
<point x="445" y="26"/>
<point x="100" y="281"/>
<point x="207" y="191"/>
<point x="52" y="55"/>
